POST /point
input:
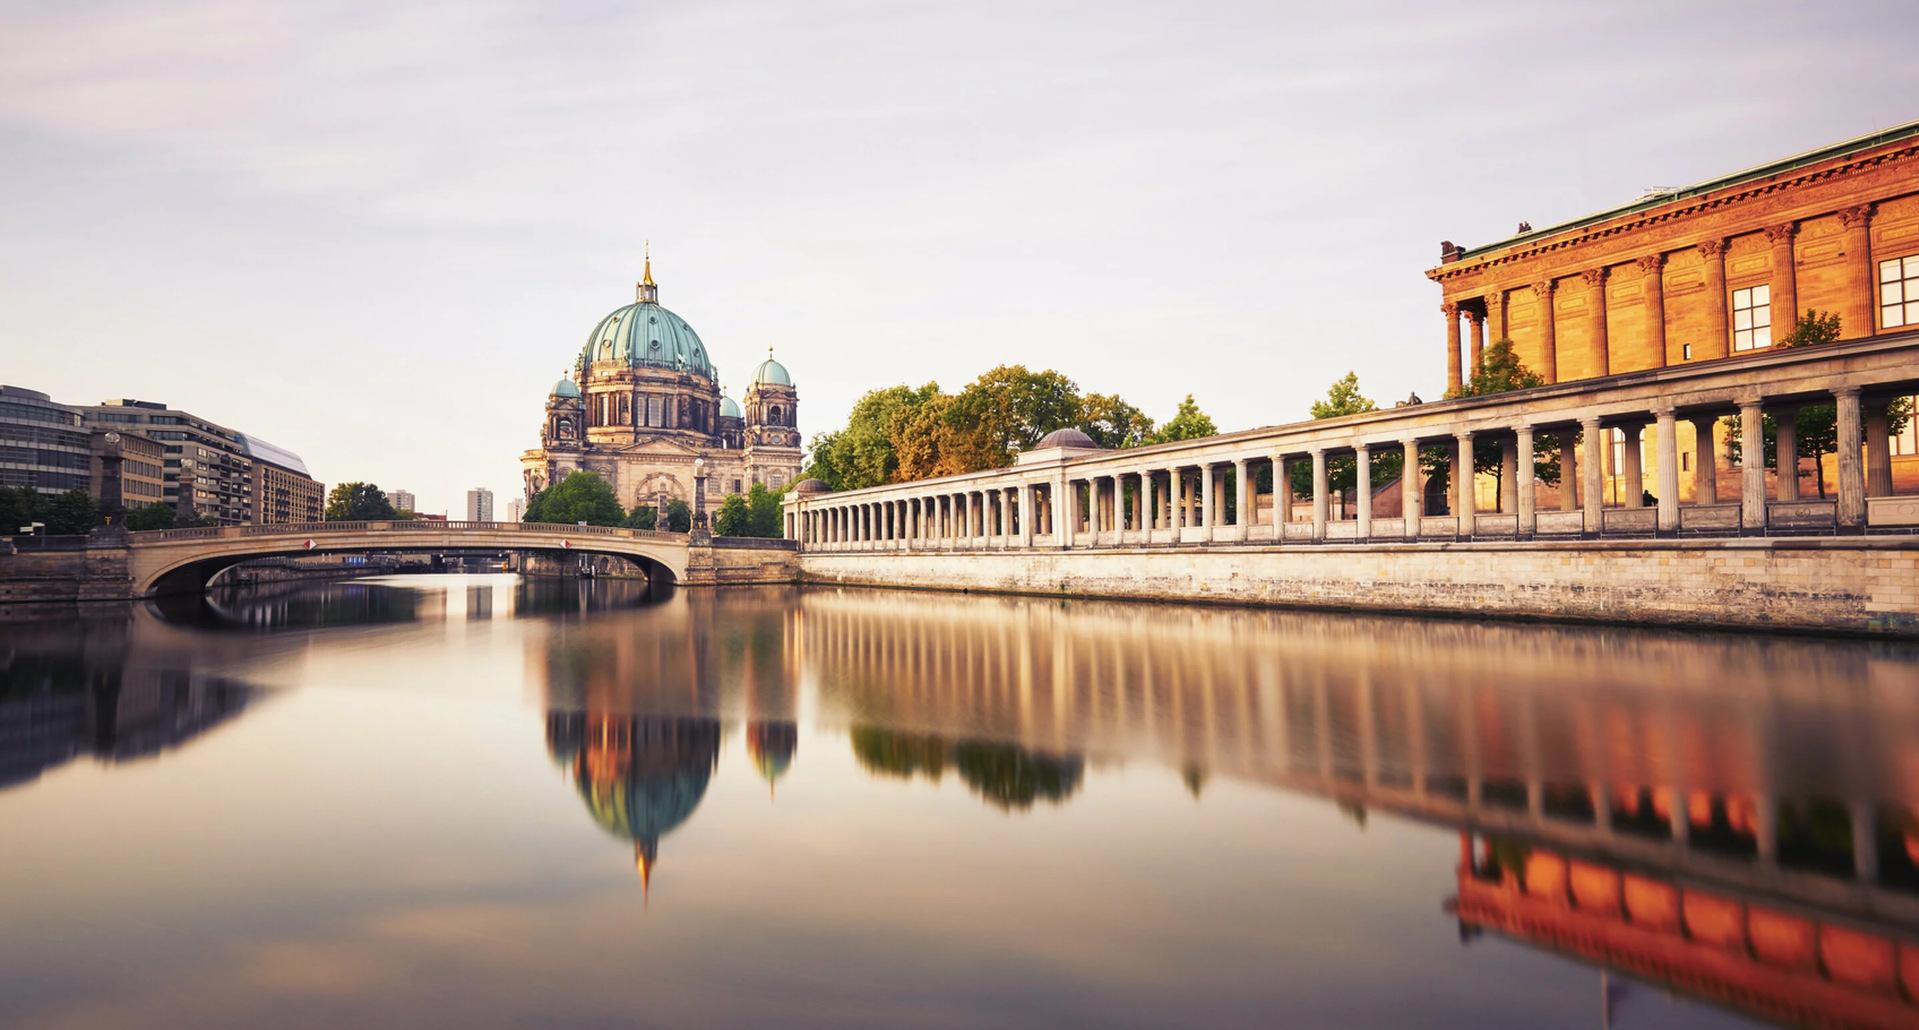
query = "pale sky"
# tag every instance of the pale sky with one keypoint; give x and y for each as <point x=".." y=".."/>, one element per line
<point x="375" y="233"/>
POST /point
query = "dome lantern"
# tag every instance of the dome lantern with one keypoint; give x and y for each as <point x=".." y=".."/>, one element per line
<point x="648" y="291"/>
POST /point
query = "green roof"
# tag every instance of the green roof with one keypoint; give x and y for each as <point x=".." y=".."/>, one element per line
<point x="1858" y="143"/>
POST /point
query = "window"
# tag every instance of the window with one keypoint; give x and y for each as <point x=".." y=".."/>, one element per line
<point x="1752" y="318"/>
<point x="1906" y="441"/>
<point x="655" y="410"/>
<point x="1685" y="352"/>
<point x="1899" y="292"/>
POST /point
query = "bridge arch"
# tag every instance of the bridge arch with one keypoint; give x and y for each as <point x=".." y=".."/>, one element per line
<point x="186" y="561"/>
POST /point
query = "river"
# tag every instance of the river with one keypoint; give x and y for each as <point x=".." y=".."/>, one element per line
<point x="481" y="800"/>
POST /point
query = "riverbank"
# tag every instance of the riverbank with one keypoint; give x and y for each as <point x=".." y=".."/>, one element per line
<point x="1851" y="585"/>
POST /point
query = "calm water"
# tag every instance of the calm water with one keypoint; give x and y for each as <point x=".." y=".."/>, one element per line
<point x="483" y="801"/>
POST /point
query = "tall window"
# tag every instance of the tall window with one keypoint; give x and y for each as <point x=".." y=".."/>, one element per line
<point x="1752" y="318"/>
<point x="1899" y="292"/>
<point x="655" y="410"/>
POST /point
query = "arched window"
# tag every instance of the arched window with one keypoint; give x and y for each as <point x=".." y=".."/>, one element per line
<point x="773" y="415"/>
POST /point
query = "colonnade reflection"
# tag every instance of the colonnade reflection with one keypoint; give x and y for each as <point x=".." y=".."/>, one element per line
<point x="1779" y="773"/>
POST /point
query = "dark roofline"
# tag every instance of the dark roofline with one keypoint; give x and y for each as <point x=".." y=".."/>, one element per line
<point x="1841" y="149"/>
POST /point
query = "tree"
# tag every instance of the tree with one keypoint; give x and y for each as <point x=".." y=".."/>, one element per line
<point x="1812" y="329"/>
<point x="1343" y="398"/>
<point x="1500" y="370"/>
<point x="732" y="517"/>
<point x="641" y="517"/>
<point x="679" y="517"/>
<point x="151" y="516"/>
<point x="764" y="514"/>
<point x="358" y="502"/>
<point x="1014" y="406"/>
<point x="1342" y="473"/>
<point x="1112" y="422"/>
<point x="580" y="497"/>
<point x="19" y="506"/>
<point x="1815" y="426"/>
<point x="862" y="454"/>
<point x="1187" y="423"/>
<point x="71" y="513"/>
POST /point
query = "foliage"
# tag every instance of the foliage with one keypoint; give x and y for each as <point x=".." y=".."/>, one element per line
<point x="679" y="517"/>
<point x="358" y="502"/>
<point x="1343" y="398"/>
<point x="1013" y="407"/>
<point x="1187" y="423"/>
<point x="19" y="506"/>
<point x="862" y="454"/>
<point x="1812" y="329"/>
<point x="754" y="513"/>
<point x="642" y="517"/>
<point x="1500" y="370"/>
<point x="580" y="497"/>
<point x="70" y="513"/>
<point x="150" y="516"/>
<point x="1112" y="422"/>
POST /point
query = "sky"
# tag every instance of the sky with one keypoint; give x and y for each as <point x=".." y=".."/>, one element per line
<point x="376" y="233"/>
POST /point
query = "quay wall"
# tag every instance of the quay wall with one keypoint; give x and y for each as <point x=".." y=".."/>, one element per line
<point x="1866" y="585"/>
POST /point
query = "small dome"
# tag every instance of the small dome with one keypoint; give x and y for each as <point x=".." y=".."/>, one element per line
<point x="728" y="409"/>
<point x="771" y="373"/>
<point x="1067" y="438"/>
<point x="811" y="486"/>
<point x="565" y="388"/>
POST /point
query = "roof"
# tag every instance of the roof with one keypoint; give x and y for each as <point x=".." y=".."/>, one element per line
<point x="647" y="334"/>
<point x="260" y="450"/>
<point x="1841" y="149"/>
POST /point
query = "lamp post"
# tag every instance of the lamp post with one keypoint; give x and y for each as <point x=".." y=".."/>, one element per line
<point x="700" y="532"/>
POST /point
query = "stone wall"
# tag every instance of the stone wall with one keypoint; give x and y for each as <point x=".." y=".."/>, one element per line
<point x="729" y="562"/>
<point x="1850" y="585"/>
<point x="67" y="572"/>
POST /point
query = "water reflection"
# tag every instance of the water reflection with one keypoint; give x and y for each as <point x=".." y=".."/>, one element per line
<point x="389" y="600"/>
<point x="640" y="776"/>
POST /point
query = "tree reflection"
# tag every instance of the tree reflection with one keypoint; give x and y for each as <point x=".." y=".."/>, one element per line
<point x="1006" y="776"/>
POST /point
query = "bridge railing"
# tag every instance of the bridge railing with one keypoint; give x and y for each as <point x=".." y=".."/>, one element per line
<point x="401" y="526"/>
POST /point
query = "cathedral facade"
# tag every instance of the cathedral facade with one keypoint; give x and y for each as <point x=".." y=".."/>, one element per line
<point x="644" y="403"/>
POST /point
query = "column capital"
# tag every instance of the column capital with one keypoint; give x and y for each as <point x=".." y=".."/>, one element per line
<point x="1543" y="288"/>
<point x="1781" y="233"/>
<point x="1363" y="447"/>
<point x="1594" y="276"/>
<point x="1666" y="413"/>
<point x="1523" y="429"/>
<point x="1493" y="297"/>
<point x="1857" y="215"/>
<point x="1463" y="435"/>
<point x="1449" y="309"/>
<point x="1589" y="422"/>
<point x="1851" y="392"/>
<point x="1650" y="263"/>
<point x="1475" y="316"/>
<point x="1711" y="248"/>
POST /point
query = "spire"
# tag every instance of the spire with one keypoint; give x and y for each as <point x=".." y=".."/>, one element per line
<point x="644" y="855"/>
<point x="648" y="291"/>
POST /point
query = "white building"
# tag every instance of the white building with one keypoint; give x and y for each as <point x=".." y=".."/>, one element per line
<point x="402" y="500"/>
<point x="479" y="505"/>
<point x="516" y="510"/>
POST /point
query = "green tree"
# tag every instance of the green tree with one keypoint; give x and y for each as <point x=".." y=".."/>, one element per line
<point x="1812" y="329"/>
<point x="19" y="506"/>
<point x="732" y="517"/>
<point x="1112" y="422"/>
<point x="1187" y="423"/>
<point x="679" y="517"/>
<point x="580" y="497"/>
<point x="1014" y="406"/>
<point x="1343" y="398"/>
<point x="862" y="454"/>
<point x="358" y="502"/>
<point x="71" y="513"/>
<point x="1500" y="370"/>
<point x="1342" y="473"/>
<point x="764" y="518"/>
<point x="151" y="516"/>
<point x="641" y="517"/>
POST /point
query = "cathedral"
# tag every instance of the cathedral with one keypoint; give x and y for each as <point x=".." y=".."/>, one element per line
<point x="643" y="404"/>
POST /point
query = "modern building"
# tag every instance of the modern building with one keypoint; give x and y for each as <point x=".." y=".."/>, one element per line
<point x="44" y="446"/>
<point x="210" y="470"/>
<point x="127" y="470"/>
<point x="479" y="505"/>
<point x="283" y="492"/>
<point x="644" y="410"/>
<point x="402" y="500"/>
<point x="515" y="509"/>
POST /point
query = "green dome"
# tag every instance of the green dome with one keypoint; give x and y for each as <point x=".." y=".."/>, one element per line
<point x="728" y="409"/>
<point x="647" y="335"/>
<point x="565" y="388"/>
<point x="771" y="373"/>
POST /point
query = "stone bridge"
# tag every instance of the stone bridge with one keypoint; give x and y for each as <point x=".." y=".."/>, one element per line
<point x="172" y="561"/>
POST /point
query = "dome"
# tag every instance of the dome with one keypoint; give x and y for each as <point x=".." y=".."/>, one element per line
<point x="728" y="409"/>
<point x="565" y="388"/>
<point x="646" y="335"/>
<point x="1067" y="438"/>
<point x="811" y="486"/>
<point x="771" y="373"/>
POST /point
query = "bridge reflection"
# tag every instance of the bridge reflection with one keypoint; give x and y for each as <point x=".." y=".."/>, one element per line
<point x="1779" y="777"/>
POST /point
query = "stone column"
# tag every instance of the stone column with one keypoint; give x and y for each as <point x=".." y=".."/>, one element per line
<point x="1009" y="507"/>
<point x="1362" y="485"/>
<point x="1548" y="346"/>
<point x="1568" y="470"/>
<point x="1786" y="451"/>
<point x="1508" y="476"/>
<point x="1410" y="501"/>
<point x="1785" y="294"/>
<point x="1025" y="514"/>
<point x="1878" y="452"/>
<point x="1496" y="316"/>
<point x="1595" y="468"/>
<point x="1852" y="480"/>
<point x="1858" y="246"/>
<point x="1478" y="340"/>
<point x="1666" y="443"/>
<point x="1463" y="503"/>
<point x="1752" y="468"/>
<point x="1451" y="311"/>
<point x="1718" y="341"/>
<point x="1653" y="287"/>
<point x="1319" y="492"/>
<point x="1242" y="499"/>
<point x="1139" y="500"/>
<point x="1705" y="461"/>
<point x="1632" y="477"/>
<point x="1282" y="496"/>
<point x="1207" y="515"/>
<point x="1524" y="480"/>
<point x="966" y="515"/>
<point x="1069" y="524"/>
<point x="1602" y="355"/>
